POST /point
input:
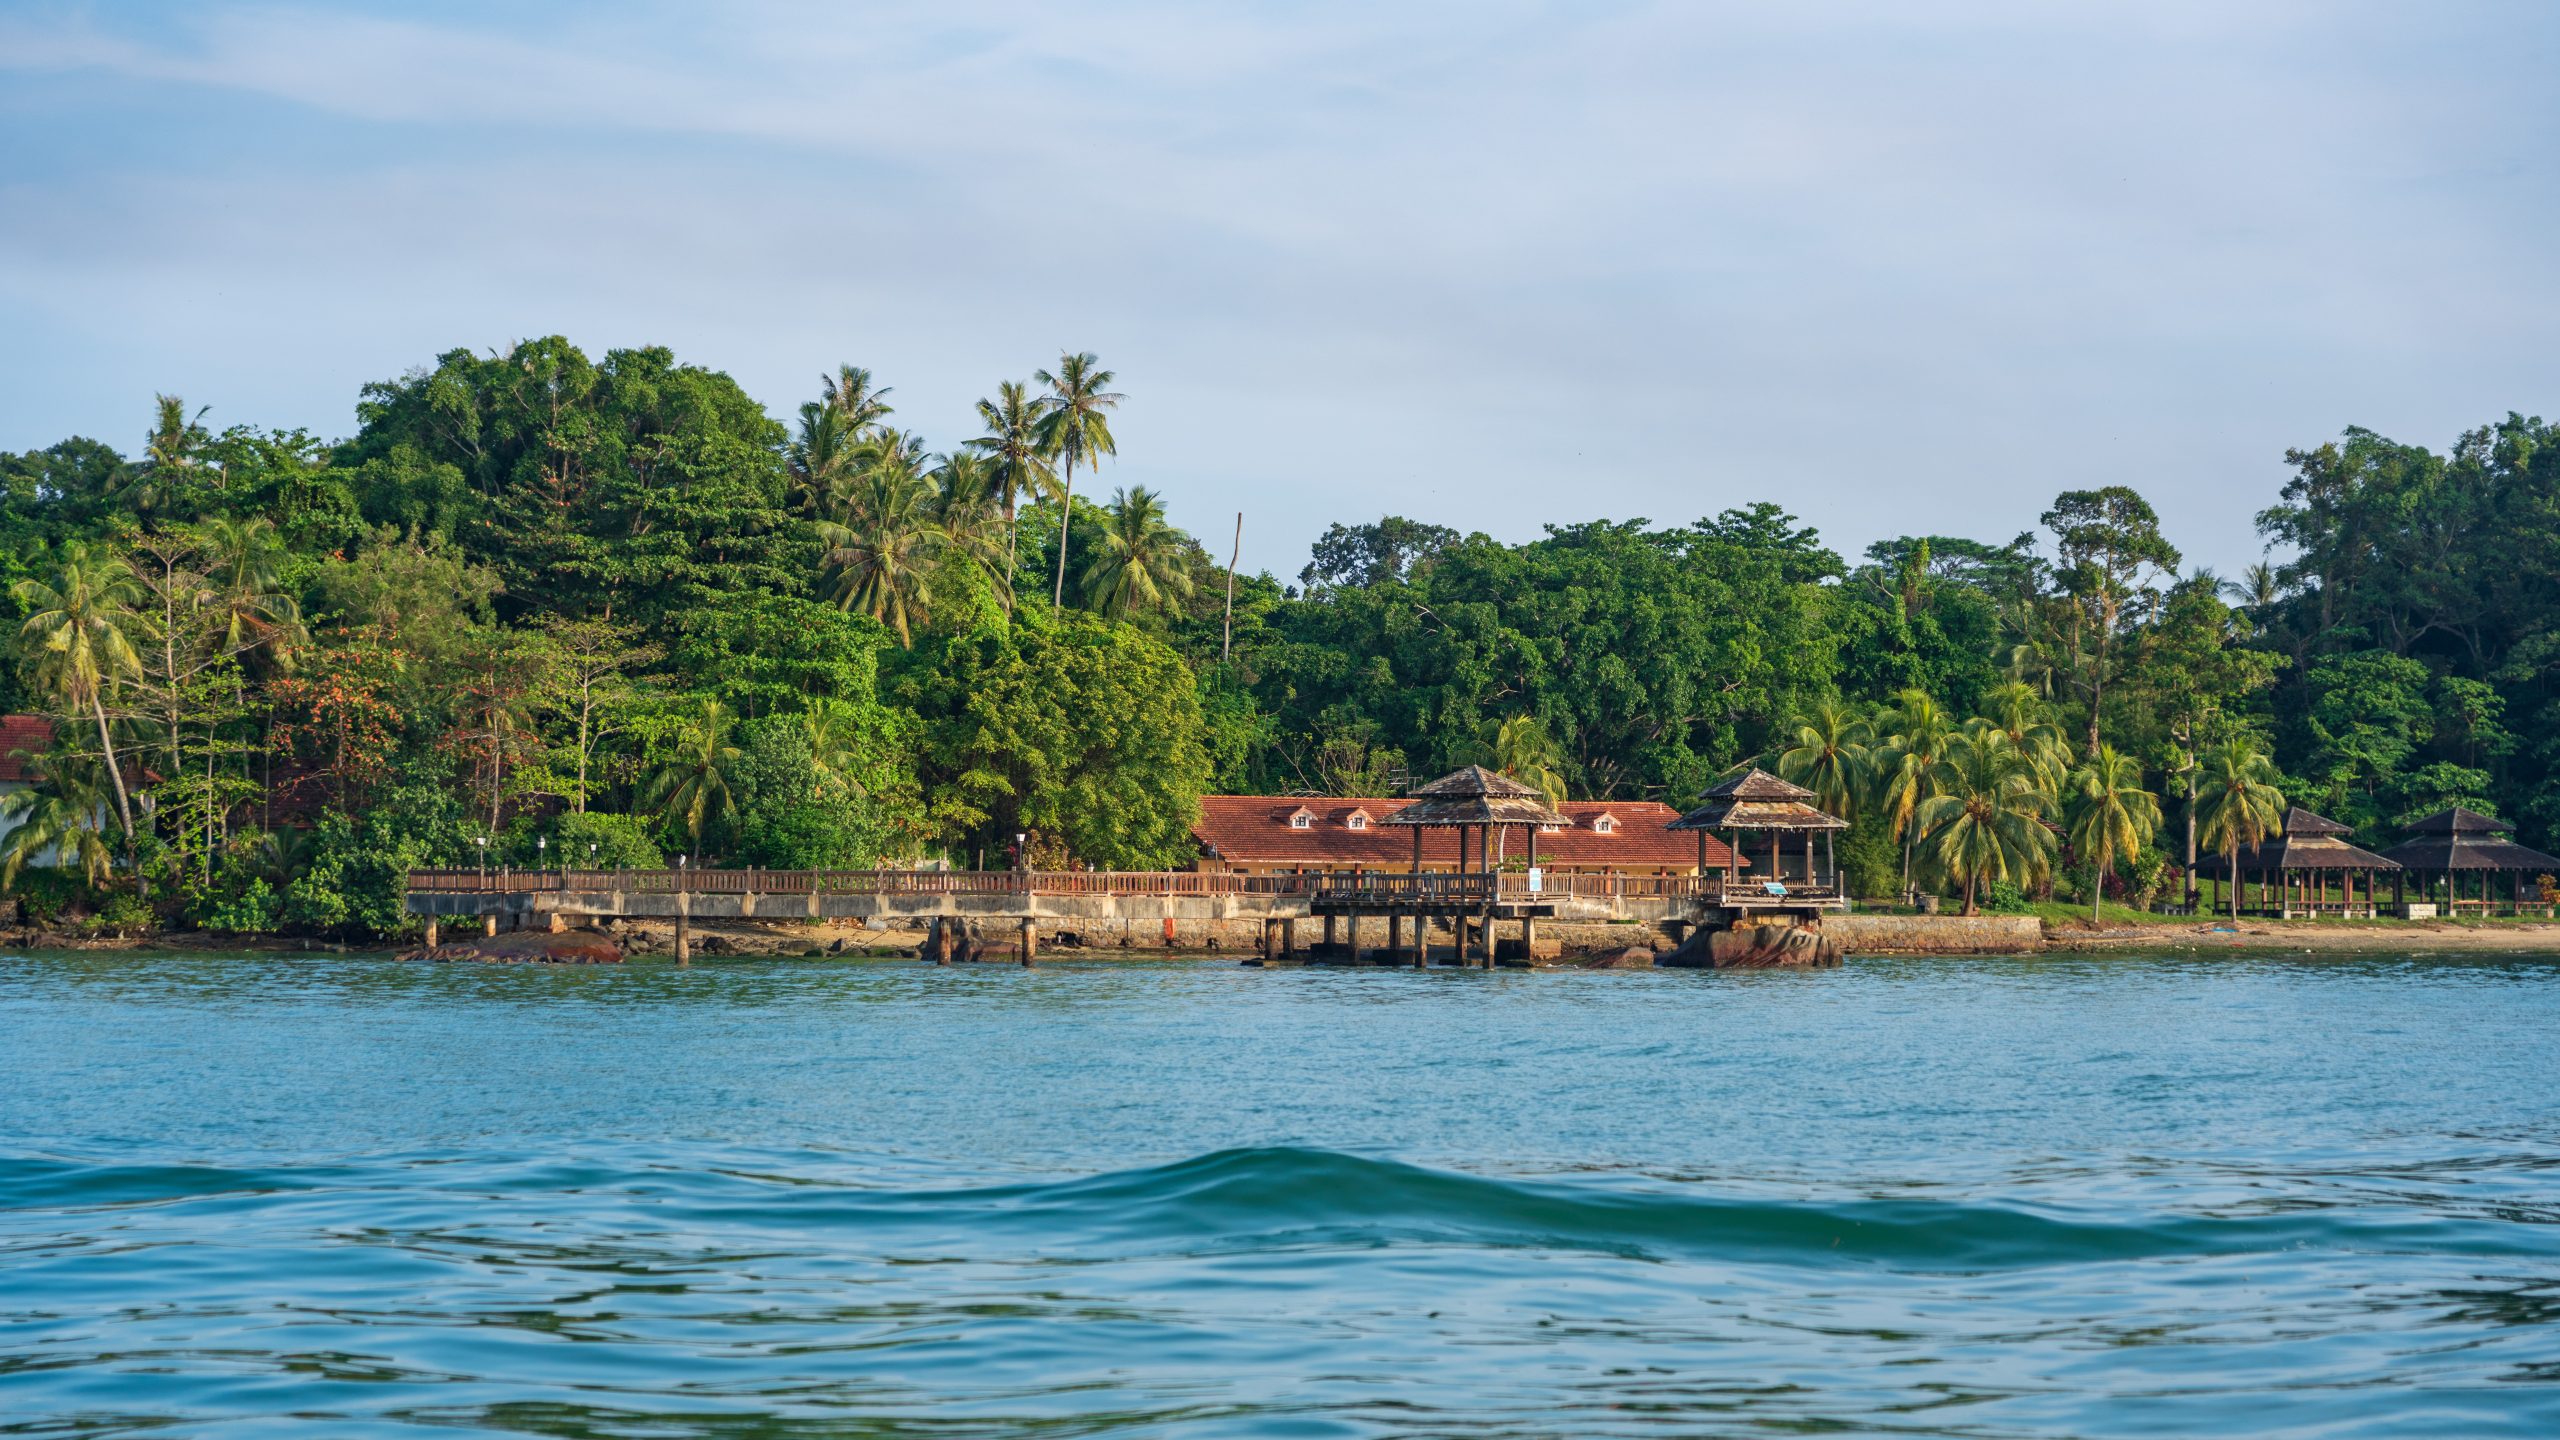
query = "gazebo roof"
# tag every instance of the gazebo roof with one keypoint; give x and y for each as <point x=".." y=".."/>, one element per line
<point x="1757" y="800"/>
<point x="2309" y="842"/>
<point x="1476" y="796"/>
<point x="2459" y="839"/>
<point x="2458" y="821"/>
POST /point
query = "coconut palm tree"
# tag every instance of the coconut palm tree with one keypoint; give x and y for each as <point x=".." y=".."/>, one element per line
<point x="883" y="547"/>
<point x="2238" y="804"/>
<point x="1520" y="747"/>
<point x="80" y="630"/>
<point x="2017" y="711"/>
<point x="833" y="732"/>
<point x="169" y="458"/>
<point x="2109" y="814"/>
<point x="823" y="456"/>
<point x="1012" y="445"/>
<point x="2257" y="590"/>
<point x="965" y="509"/>
<point x="691" y="789"/>
<point x="1143" y="564"/>
<point x="1986" y="819"/>
<point x="1831" y="756"/>
<point x="1904" y="767"/>
<point x="1074" y="426"/>
<point x="851" y="394"/>
<point x="256" y="612"/>
<point x="60" y="817"/>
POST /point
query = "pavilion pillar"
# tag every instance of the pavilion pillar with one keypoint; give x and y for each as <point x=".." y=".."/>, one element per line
<point x="1702" y="854"/>
<point x="1417" y="849"/>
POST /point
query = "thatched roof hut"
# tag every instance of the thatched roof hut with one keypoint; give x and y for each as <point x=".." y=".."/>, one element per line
<point x="2460" y="839"/>
<point x="1757" y="800"/>
<point x="1477" y="799"/>
<point x="1476" y="796"/>
<point x="2307" y="842"/>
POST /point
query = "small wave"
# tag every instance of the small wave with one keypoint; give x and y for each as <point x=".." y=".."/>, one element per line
<point x="1274" y="1198"/>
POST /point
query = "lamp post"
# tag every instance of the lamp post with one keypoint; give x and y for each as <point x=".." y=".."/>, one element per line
<point x="541" y="851"/>
<point x="483" y="842"/>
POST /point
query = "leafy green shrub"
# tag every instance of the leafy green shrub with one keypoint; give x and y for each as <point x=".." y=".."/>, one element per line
<point x="621" y="842"/>
<point x="253" y="911"/>
<point x="45" y="894"/>
<point x="2004" y="897"/>
<point x="124" y="914"/>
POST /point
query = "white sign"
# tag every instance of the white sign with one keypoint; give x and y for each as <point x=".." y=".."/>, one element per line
<point x="1537" y="879"/>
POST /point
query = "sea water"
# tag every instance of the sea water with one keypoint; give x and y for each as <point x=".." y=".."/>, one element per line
<point x="332" y="1196"/>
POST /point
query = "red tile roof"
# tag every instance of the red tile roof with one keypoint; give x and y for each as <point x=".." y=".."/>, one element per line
<point x="1255" y="830"/>
<point x="22" y="737"/>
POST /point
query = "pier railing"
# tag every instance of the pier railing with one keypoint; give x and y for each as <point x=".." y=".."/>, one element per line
<point x="1385" y="886"/>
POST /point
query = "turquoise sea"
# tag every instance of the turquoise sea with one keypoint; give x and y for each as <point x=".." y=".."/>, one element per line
<point x="2112" y="1196"/>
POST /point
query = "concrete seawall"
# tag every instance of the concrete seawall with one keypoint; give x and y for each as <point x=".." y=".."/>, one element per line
<point x="1936" y="934"/>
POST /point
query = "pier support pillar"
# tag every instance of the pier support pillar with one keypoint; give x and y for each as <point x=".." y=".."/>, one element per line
<point x="1289" y="939"/>
<point x="1270" y="941"/>
<point x="1329" y="938"/>
<point x="489" y="923"/>
<point x="1395" y="936"/>
<point x="1030" y="941"/>
<point x="1529" y="938"/>
<point x="431" y="932"/>
<point x="1355" y="939"/>
<point x="684" y="933"/>
<point x="555" y="922"/>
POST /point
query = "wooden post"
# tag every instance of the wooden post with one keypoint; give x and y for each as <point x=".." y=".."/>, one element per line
<point x="1417" y="849"/>
<point x="1030" y="941"/>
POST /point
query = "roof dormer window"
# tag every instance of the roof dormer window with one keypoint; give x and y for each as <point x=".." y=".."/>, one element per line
<point x="1356" y="820"/>
<point x="1302" y="819"/>
<point x="1605" y="825"/>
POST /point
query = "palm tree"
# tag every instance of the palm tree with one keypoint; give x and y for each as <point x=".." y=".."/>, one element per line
<point x="1073" y="427"/>
<point x="2257" y="590"/>
<point x="1987" y="820"/>
<point x="2017" y="711"/>
<point x="1917" y="734"/>
<point x="1144" y="563"/>
<point x="257" y="612"/>
<point x="1012" y="445"/>
<point x="80" y="630"/>
<point x="169" y="456"/>
<point x="692" y="788"/>
<point x="822" y="457"/>
<point x="2238" y="803"/>
<point x="2110" y="815"/>
<point x="884" y="546"/>
<point x="832" y="730"/>
<point x="1520" y="747"/>
<point x="1831" y="756"/>
<point x="964" y="508"/>
<point x="850" y="393"/>
<point x="59" y="816"/>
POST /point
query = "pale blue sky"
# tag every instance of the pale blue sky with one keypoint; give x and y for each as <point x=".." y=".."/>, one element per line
<point x="1896" y="266"/>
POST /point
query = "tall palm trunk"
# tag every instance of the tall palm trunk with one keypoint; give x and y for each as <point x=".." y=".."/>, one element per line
<point x="1066" y="508"/>
<point x="115" y="772"/>
<point x="2098" y="890"/>
<point x="1011" y="534"/>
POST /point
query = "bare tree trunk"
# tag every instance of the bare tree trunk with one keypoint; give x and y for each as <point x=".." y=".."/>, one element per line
<point x="115" y="772"/>
<point x="1066" y="509"/>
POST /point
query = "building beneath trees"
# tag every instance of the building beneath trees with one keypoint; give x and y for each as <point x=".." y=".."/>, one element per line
<point x="1270" y="835"/>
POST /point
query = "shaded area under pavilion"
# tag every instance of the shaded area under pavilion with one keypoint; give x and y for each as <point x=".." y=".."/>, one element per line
<point x="2307" y="868"/>
<point x="2449" y="849"/>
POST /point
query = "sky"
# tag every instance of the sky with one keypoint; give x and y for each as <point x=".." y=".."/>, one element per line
<point x="1899" y="267"/>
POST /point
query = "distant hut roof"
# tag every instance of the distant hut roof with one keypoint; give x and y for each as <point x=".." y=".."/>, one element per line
<point x="1757" y="800"/>
<point x="2460" y="839"/>
<point x="1476" y="796"/>
<point x="2308" y="842"/>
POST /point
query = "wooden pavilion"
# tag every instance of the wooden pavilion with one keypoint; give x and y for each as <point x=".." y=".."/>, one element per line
<point x="2297" y="867"/>
<point x="2445" y="848"/>
<point x="1474" y="802"/>
<point x="1758" y="800"/>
